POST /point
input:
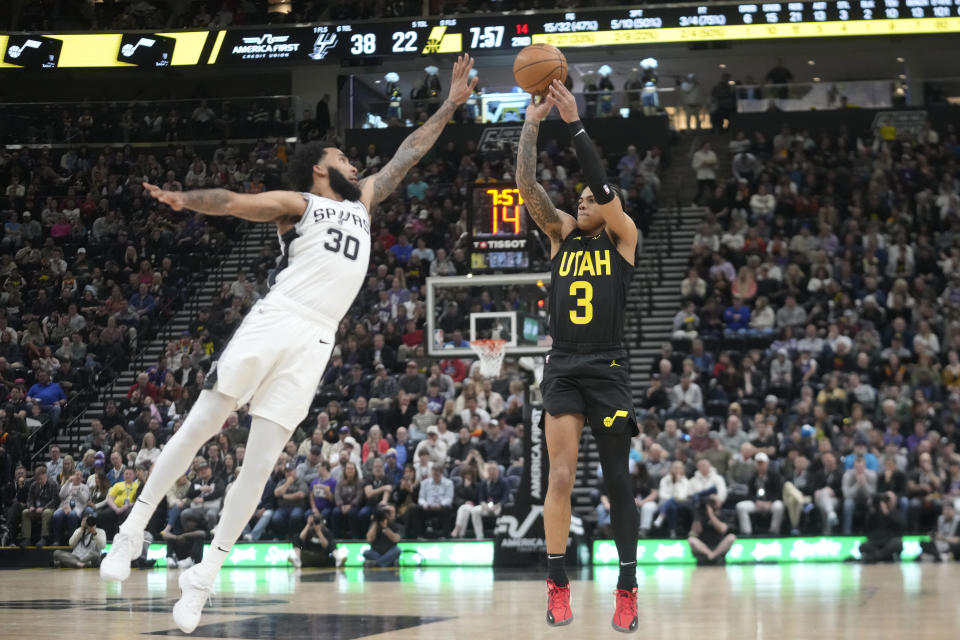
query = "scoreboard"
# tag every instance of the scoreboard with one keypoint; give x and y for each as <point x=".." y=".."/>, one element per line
<point x="502" y="33"/>
<point x="482" y="34"/>
<point x="497" y="228"/>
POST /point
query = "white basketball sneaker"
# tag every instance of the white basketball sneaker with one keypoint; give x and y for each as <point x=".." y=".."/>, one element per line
<point x="194" y="593"/>
<point x="125" y="549"/>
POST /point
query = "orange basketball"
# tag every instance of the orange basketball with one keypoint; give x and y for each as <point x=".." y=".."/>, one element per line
<point x="537" y="66"/>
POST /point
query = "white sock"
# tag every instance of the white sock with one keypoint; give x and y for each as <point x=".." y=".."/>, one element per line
<point x="203" y="422"/>
<point x="263" y="448"/>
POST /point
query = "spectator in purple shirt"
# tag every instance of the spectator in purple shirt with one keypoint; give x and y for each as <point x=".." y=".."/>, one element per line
<point x="321" y="491"/>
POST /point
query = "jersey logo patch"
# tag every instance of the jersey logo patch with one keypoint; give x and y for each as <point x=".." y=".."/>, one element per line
<point x="608" y="421"/>
<point x="613" y="363"/>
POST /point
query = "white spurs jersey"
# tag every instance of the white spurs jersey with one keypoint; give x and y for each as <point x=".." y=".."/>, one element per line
<point x="324" y="257"/>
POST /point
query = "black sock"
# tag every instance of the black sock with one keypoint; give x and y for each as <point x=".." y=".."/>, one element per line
<point x="628" y="576"/>
<point x="614" y="457"/>
<point x="556" y="570"/>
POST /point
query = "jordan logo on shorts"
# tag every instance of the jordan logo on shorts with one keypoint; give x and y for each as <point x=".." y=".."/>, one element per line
<point x="608" y="421"/>
<point x="613" y="363"/>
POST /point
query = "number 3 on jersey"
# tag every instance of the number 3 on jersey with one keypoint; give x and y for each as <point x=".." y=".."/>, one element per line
<point x="583" y="292"/>
<point x="351" y="246"/>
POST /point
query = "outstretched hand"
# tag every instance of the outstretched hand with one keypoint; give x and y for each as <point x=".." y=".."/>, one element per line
<point x="539" y="107"/>
<point x="173" y="199"/>
<point x="461" y="84"/>
<point x="566" y="103"/>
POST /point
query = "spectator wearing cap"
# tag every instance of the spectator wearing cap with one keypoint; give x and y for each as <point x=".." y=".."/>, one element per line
<point x="495" y="445"/>
<point x="41" y="500"/>
<point x="206" y="492"/>
<point x="412" y="381"/>
<point x="307" y="470"/>
<point x="433" y="445"/>
<point x="764" y="493"/>
<point x="291" y="494"/>
<point x="383" y="389"/>
<point x="655" y="399"/>
<point x="861" y="449"/>
<point x="333" y="451"/>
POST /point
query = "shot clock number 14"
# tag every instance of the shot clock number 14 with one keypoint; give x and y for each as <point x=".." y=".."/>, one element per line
<point x="505" y="208"/>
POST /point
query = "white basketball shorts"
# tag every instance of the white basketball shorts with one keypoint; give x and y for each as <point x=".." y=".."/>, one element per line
<point x="275" y="360"/>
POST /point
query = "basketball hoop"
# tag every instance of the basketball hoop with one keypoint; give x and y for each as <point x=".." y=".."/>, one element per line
<point x="491" y="354"/>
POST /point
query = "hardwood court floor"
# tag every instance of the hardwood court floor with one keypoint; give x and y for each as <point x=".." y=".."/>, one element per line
<point x="821" y="602"/>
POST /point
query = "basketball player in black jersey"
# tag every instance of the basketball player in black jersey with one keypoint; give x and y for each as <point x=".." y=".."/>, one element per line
<point x="585" y="378"/>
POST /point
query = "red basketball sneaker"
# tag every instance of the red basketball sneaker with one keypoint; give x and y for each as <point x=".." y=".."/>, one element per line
<point x="558" y="605"/>
<point x="625" y="617"/>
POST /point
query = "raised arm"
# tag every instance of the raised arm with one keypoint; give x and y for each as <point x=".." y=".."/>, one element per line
<point x="609" y="205"/>
<point x="377" y="187"/>
<point x="551" y="221"/>
<point x="268" y="206"/>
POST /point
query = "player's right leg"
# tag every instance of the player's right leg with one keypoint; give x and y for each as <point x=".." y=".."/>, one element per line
<point x="264" y="444"/>
<point x="203" y="422"/>
<point x="563" y="442"/>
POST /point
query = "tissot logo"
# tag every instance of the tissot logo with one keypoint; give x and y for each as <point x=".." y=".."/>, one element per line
<point x="516" y="243"/>
<point x="266" y="45"/>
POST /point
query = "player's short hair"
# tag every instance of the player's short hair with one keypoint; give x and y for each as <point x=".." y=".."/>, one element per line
<point x="300" y="167"/>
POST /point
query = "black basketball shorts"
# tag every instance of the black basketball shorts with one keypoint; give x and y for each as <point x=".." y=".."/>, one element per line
<point x="595" y="385"/>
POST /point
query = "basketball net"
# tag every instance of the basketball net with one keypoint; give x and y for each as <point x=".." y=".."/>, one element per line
<point x="490" y="353"/>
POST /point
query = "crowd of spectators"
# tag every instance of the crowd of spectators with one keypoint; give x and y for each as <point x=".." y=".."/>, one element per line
<point x="88" y="122"/>
<point x="814" y="360"/>
<point x="395" y="441"/>
<point x="91" y="269"/>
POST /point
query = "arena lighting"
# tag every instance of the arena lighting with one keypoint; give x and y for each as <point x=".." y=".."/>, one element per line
<point x="811" y="62"/>
<point x="899" y="59"/>
<point x="722" y="65"/>
<point x="816" y="78"/>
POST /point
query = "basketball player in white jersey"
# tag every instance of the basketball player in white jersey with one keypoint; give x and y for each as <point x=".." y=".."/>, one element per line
<point x="278" y="354"/>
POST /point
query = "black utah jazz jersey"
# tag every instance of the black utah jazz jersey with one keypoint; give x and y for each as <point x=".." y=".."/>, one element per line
<point x="588" y="294"/>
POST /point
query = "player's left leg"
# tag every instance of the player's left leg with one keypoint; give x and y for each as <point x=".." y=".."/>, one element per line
<point x="204" y="421"/>
<point x="614" y="450"/>
<point x="264" y="446"/>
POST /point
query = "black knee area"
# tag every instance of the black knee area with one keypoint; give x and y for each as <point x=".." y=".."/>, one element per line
<point x="614" y="460"/>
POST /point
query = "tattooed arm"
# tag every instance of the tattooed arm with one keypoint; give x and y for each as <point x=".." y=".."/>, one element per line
<point x="268" y="206"/>
<point x="556" y="224"/>
<point x="377" y="187"/>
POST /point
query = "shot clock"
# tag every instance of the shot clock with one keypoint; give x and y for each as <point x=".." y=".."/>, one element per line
<point x="498" y="229"/>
